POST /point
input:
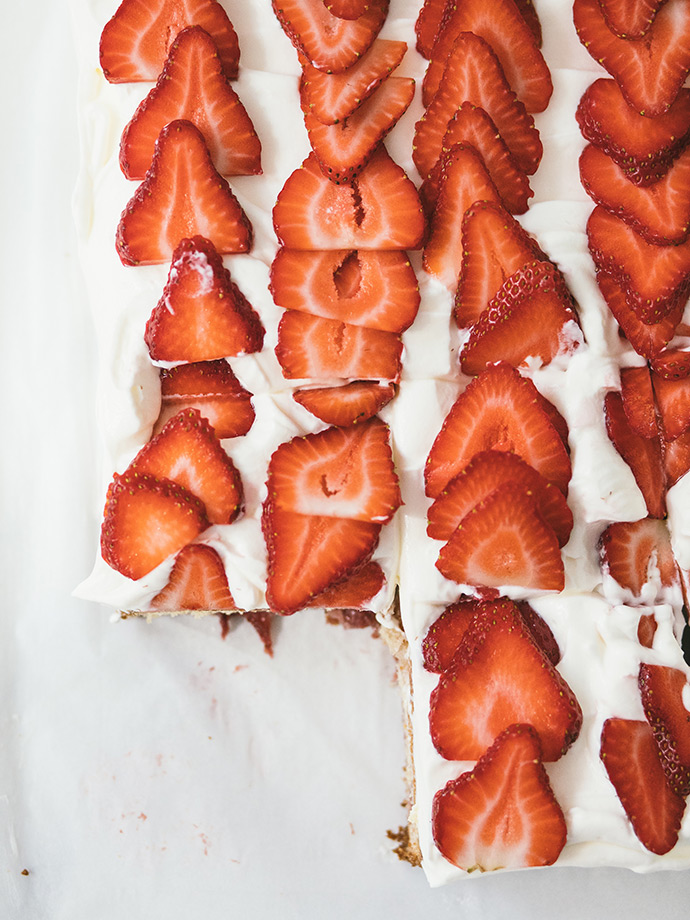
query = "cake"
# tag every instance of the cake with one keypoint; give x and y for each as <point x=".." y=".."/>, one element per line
<point x="477" y="453"/>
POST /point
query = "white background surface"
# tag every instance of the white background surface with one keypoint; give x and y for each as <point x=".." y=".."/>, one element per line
<point x="153" y="770"/>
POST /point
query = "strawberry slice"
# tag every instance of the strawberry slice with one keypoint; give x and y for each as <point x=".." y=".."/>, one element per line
<point x="135" y="42"/>
<point x="212" y="388"/>
<point x="531" y="17"/>
<point x="644" y="148"/>
<point x="427" y="25"/>
<point x="145" y="521"/>
<point x="331" y="97"/>
<point x="329" y="43"/>
<point x="643" y="455"/>
<point x="660" y="212"/>
<point x="347" y="9"/>
<point x="502" y="814"/>
<point x="638" y="401"/>
<point x="498" y="410"/>
<point x="374" y="289"/>
<point x="630" y="18"/>
<point x="650" y="71"/>
<point x="308" y="554"/>
<point x="182" y="196"/>
<point x="504" y="541"/>
<point x="495" y="246"/>
<point x="648" y="339"/>
<point x="541" y="631"/>
<point x="197" y="582"/>
<point x="662" y="689"/>
<point x="629" y="753"/>
<point x="380" y="209"/>
<point x="483" y="475"/>
<point x="676" y="458"/>
<point x="502" y="26"/>
<point x="673" y="402"/>
<point x="500" y="676"/>
<point x="312" y="347"/>
<point x="202" y="314"/>
<point x="646" y="630"/>
<point x="193" y="86"/>
<point x="474" y="74"/>
<point x="345" y="405"/>
<point x="671" y="363"/>
<point x="339" y="472"/>
<point x="630" y="551"/>
<point x="344" y="149"/>
<point x="355" y="592"/>
<point x="187" y="452"/>
<point x="528" y="318"/>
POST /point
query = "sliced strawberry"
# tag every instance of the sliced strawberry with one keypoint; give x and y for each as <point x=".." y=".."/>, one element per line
<point x="312" y="347"/>
<point x="347" y="9"/>
<point x="329" y="43"/>
<point x="182" y="196"/>
<point x="197" y="582"/>
<point x="671" y="364"/>
<point x="474" y="74"/>
<point x="630" y="18"/>
<point x="630" y="549"/>
<point x="135" y="42"/>
<point x="527" y="318"/>
<point x="629" y="753"/>
<point x="673" y="402"/>
<point x="500" y="676"/>
<point x="650" y="71"/>
<point x="644" y="148"/>
<point x="193" y="86"/>
<point x="345" y="405"/>
<point x="374" y="289"/>
<point x="202" y="314"/>
<point x="499" y="410"/>
<point x="531" y="17"/>
<point x="643" y="455"/>
<point x="638" y="401"/>
<point x="676" y="458"/>
<point x="187" y="452"/>
<point x="486" y="472"/>
<point x="427" y="25"/>
<point x="145" y="521"/>
<point x="212" y="388"/>
<point x="380" y="209"/>
<point x="355" y="592"/>
<point x="648" y="339"/>
<point x="344" y="149"/>
<point x="662" y="690"/>
<point x="646" y="630"/>
<point x="556" y="419"/>
<point x="541" y="631"/>
<point x="503" y="27"/>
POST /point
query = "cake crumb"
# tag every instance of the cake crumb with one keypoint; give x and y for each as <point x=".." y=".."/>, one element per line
<point x="405" y="850"/>
<point x="25" y="871"/>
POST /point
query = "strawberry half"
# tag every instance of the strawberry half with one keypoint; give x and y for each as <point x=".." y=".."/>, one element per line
<point x="355" y="592"/>
<point x="380" y="209"/>
<point x="676" y="458"/>
<point x="197" y="582"/>
<point x="502" y="814"/>
<point x="182" y="196"/>
<point x="648" y="339"/>
<point x="345" y="405"/>
<point x="376" y="289"/>
<point x="629" y="753"/>
<point x="630" y="18"/>
<point x="500" y="676"/>
<point x="146" y="520"/>
<point x="638" y="401"/>
<point x="135" y="42"/>
<point x="193" y="86"/>
<point x="671" y="363"/>
<point x="662" y="689"/>
<point x="673" y="403"/>
<point x="629" y="550"/>
<point x="312" y="347"/>
<point x="202" y="314"/>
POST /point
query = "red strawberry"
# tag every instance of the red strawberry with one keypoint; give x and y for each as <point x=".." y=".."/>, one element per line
<point x="502" y="814"/>
<point x="345" y="405"/>
<point x="347" y="9"/>
<point x="483" y="475"/>
<point x="345" y="148"/>
<point x="181" y="196"/>
<point x="329" y="43"/>
<point x="374" y="289"/>
<point x="187" y="452"/>
<point x="629" y="549"/>
<point x="647" y="339"/>
<point x="527" y="318"/>
<point x="427" y="25"/>
<point x="644" y="148"/>
<point x="500" y="676"/>
<point x="630" y="755"/>
<point x="331" y="97"/>
<point x="541" y="631"/>
<point x="502" y="26"/>
<point x="671" y="364"/>
<point x="197" y="582"/>
<point x="135" y="42"/>
<point x="312" y="347"/>
<point x="638" y="401"/>
<point x="529" y="14"/>
<point x="353" y="593"/>
<point x="556" y="419"/>
<point x="499" y="410"/>
<point x="676" y="458"/>
<point x="474" y="74"/>
<point x="380" y="209"/>
<point x="145" y="521"/>
<point x="643" y="455"/>
<point x="646" y="629"/>
<point x="630" y="18"/>
<point x="202" y="314"/>
<point x="662" y="689"/>
<point x="212" y="388"/>
<point x="193" y="86"/>
<point x="673" y="402"/>
<point x="651" y="70"/>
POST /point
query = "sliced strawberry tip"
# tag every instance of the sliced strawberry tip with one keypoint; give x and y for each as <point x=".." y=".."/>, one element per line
<point x="638" y="401"/>
<point x="648" y="339"/>
<point x="355" y="592"/>
<point x="197" y="582"/>
<point x="631" y="551"/>
<point x="345" y="405"/>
